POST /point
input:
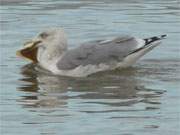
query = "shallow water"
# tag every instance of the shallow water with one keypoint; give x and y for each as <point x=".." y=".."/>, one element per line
<point x="141" y="100"/>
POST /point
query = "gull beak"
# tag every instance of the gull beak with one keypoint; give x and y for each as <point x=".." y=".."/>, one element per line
<point x="29" y="51"/>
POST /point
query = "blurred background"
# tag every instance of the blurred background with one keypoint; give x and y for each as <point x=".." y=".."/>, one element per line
<point x="141" y="100"/>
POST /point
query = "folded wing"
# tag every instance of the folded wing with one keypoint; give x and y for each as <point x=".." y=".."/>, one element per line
<point x="97" y="52"/>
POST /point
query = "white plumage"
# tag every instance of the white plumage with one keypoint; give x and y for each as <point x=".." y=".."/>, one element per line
<point x="90" y="57"/>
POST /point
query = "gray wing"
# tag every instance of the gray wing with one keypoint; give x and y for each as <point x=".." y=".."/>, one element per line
<point x="96" y="52"/>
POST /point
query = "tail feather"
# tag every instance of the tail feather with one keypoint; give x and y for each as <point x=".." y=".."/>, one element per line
<point x="148" y="41"/>
<point x="152" y="39"/>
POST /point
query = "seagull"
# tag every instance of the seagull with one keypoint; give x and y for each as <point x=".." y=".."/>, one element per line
<point x="49" y="50"/>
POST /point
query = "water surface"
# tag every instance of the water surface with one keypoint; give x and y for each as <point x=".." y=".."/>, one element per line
<point x="141" y="100"/>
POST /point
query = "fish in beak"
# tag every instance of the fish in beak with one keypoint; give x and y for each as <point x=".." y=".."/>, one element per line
<point x="29" y="51"/>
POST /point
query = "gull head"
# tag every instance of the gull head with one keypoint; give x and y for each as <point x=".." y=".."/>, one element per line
<point x="46" y="45"/>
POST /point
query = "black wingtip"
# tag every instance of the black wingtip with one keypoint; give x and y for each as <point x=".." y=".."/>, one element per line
<point x="155" y="38"/>
<point x="163" y="36"/>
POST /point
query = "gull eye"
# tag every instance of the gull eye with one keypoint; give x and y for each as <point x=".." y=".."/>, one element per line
<point x="43" y="35"/>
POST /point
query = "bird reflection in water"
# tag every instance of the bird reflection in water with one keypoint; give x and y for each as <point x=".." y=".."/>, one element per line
<point x="120" y="88"/>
